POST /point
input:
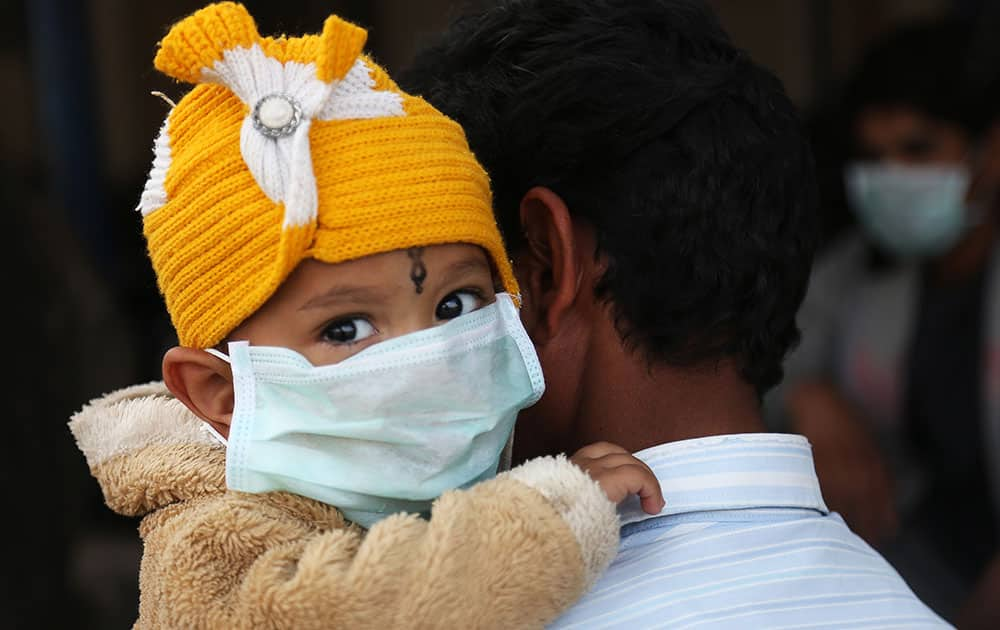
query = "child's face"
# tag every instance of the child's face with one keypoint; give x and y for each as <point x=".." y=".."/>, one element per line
<point x="329" y="312"/>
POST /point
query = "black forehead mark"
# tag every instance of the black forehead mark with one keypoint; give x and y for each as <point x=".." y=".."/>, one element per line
<point x="418" y="271"/>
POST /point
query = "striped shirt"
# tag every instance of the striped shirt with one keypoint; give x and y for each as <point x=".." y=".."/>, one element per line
<point x="745" y="541"/>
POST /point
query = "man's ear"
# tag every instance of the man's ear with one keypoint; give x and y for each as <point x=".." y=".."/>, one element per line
<point x="204" y="383"/>
<point x="549" y="267"/>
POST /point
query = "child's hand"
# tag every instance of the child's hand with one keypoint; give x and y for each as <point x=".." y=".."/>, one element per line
<point x="620" y="474"/>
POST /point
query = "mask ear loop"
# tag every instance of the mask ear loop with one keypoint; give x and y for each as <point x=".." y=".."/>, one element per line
<point x="204" y="425"/>
<point x="218" y="354"/>
<point x="214" y="434"/>
<point x="507" y="455"/>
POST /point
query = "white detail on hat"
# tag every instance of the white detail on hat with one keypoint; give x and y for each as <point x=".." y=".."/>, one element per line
<point x="154" y="193"/>
<point x="279" y="156"/>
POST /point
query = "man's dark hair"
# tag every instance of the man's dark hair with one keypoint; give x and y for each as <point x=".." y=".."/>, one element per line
<point x="686" y="158"/>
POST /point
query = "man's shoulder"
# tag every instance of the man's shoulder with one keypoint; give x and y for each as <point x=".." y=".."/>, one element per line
<point x="752" y="568"/>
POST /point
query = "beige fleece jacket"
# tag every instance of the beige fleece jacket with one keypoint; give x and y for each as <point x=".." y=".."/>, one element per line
<point x="513" y="552"/>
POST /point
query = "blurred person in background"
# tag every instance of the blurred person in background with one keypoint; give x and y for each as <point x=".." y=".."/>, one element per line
<point x="897" y="381"/>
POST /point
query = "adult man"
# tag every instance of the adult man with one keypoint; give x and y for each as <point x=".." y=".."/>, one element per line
<point x="657" y="194"/>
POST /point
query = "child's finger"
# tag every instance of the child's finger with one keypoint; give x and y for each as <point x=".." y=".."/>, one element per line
<point x="625" y="461"/>
<point x="650" y="494"/>
<point x="599" y="449"/>
<point x="623" y="458"/>
<point x="651" y="499"/>
<point x="641" y="481"/>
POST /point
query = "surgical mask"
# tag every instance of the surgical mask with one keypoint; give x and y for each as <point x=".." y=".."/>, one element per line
<point x="913" y="212"/>
<point x="389" y="429"/>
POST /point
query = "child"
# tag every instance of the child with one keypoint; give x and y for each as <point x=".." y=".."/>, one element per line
<point x="328" y="255"/>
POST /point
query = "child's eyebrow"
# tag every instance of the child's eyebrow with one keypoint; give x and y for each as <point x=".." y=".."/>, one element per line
<point x="345" y="294"/>
<point x="467" y="265"/>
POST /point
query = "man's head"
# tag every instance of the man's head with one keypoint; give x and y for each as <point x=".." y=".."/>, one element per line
<point x="650" y="180"/>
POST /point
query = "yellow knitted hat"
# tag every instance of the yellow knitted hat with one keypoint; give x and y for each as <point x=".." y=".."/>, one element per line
<point x="293" y="148"/>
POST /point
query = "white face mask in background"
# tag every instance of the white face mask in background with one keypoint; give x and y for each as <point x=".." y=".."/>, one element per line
<point x="389" y="429"/>
<point x="912" y="212"/>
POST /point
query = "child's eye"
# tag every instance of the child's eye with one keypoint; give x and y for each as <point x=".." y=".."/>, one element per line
<point x="346" y="331"/>
<point x="457" y="304"/>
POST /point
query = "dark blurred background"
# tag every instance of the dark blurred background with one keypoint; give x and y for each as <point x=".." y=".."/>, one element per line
<point x="77" y="123"/>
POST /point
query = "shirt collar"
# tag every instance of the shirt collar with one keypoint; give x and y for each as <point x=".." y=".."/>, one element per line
<point x="731" y="472"/>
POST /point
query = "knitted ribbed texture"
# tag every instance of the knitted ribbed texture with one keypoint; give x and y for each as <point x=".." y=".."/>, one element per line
<point x="383" y="182"/>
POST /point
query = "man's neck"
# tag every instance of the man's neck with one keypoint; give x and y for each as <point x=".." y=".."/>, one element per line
<point x="637" y="406"/>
